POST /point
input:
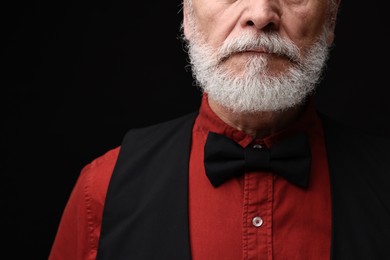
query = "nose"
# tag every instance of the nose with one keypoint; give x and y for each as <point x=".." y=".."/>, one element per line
<point x="262" y="14"/>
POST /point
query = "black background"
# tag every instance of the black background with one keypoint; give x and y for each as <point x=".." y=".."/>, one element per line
<point x="78" y="74"/>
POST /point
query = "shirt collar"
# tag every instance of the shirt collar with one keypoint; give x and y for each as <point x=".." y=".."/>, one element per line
<point x="308" y="123"/>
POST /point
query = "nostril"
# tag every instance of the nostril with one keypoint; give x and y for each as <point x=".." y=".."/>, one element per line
<point x="267" y="27"/>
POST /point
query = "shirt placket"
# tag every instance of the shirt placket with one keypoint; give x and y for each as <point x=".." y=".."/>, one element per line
<point x="257" y="216"/>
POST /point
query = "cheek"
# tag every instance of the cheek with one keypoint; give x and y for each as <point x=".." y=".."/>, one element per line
<point x="304" y="28"/>
<point x="216" y="23"/>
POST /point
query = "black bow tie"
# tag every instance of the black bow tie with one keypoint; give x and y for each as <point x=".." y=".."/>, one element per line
<point x="289" y="158"/>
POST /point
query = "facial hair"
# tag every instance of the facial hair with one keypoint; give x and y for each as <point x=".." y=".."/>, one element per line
<point x="256" y="89"/>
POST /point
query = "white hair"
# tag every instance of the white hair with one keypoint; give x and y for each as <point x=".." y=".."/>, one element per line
<point x="255" y="90"/>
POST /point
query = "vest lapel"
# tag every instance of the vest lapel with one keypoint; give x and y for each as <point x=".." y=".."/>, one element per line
<point x="146" y="209"/>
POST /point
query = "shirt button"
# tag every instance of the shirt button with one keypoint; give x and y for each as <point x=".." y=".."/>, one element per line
<point x="257" y="146"/>
<point x="257" y="221"/>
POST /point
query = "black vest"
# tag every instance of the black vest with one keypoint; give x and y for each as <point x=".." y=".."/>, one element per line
<point x="146" y="209"/>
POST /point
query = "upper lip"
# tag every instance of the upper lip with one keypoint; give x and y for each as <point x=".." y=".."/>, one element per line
<point x="255" y="50"/>
<point x="259" y="50"/>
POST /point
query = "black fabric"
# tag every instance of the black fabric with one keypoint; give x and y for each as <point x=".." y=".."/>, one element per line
<point x="145" y="215"/>
<point x="289" y="157"/>
<point x="359" y="166"/>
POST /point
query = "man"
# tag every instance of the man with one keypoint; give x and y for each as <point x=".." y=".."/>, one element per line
<point x="257" y="172"/>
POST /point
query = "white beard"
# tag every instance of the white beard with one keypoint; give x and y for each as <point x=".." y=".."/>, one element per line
<point x="255" y="90"/>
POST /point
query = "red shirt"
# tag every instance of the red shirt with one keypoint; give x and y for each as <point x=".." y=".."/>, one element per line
<point x="256" y="216"/>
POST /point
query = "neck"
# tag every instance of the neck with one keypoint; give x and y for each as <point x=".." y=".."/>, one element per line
<point x="259" y="124"/>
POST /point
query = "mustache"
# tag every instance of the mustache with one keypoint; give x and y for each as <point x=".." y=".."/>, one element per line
<point x="267" y="42"/>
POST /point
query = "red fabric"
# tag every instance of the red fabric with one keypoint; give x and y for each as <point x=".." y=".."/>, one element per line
<point x="78" y="233"/>
<point x="296" y="222"/>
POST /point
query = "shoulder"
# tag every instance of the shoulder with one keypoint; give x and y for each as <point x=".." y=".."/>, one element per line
<point x="161" y="131"/>
<point x="81" y="219"/>
<point x="95" y="176"/>
<point x="98" y="172"/>
<point x="359" y="144"/>
<point x="103" y="163"/>
<point x="357" y="134"/>
<point x="168" y="125"/>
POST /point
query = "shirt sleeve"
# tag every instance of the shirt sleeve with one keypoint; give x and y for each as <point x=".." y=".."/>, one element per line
<point x="79" y="229"/>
